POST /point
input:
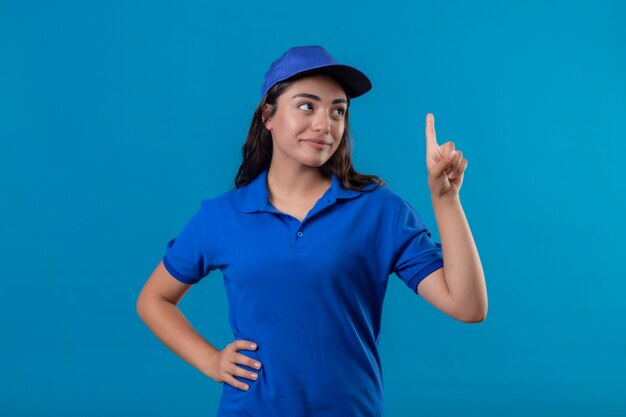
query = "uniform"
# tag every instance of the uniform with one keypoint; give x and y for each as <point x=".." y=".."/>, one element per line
<point x="309" y="293"/>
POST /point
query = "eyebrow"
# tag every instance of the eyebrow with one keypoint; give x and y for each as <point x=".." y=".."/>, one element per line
<point x="316" y="98"/>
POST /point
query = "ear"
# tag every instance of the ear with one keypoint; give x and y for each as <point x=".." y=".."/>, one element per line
<point x="267" y="110"/>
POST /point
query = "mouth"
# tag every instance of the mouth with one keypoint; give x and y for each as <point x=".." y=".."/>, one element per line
<point x="318" y="141"/>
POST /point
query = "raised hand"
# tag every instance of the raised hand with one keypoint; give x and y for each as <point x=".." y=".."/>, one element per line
<point x="445" y="165"/>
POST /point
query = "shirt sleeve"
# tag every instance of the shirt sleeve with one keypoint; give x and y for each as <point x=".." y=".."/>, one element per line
<point x="416" y="254"/>
<point x="186" y="257"/>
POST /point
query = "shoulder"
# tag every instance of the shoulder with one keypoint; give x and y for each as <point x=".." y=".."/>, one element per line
<point x="392" y="208"/>
<point x="375" y="205"/>
<point x="383" y="196"/>
<point x="224" y="201"/>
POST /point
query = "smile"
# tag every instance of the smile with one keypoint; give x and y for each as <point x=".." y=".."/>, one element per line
<point x="316" y="144"/>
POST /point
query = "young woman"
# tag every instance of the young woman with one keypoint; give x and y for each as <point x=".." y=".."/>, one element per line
<point x="306" y="245"/>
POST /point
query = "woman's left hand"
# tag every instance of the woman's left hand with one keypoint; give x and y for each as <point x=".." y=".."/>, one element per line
<point x="445" y="165"/>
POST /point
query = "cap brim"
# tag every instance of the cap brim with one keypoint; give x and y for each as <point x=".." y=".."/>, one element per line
<point x="354" y="81"/>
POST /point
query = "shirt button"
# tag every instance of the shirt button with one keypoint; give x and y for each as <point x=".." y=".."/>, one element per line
<point x="299" y="234"/>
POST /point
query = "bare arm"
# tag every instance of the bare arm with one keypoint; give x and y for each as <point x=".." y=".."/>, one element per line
<point x="157" y="306"/>
<point x="459" y="288"/>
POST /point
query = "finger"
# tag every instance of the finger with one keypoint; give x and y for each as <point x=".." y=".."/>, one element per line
<point x="443" y="165"/>
<point x="445" y="151"/>
<point x="246" y="360"/>
<point x="243" y="345"/>
<point x="236" y="370"/>
<point x="456" y="164"/>
<point x="231" y="380"/>
<point x="431" y="137"/>
<point x="447" y="148"/>
<point x="461" y="169"/>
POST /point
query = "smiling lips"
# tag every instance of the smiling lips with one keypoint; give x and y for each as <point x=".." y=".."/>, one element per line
<point x="316" y="143"/>
<point x="320" y="141"/>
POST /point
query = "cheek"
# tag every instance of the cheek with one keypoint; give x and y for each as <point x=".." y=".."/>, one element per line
<point x="337" y="144"/>
<point x="295" y="124"/>
<point x="339" y="130"/>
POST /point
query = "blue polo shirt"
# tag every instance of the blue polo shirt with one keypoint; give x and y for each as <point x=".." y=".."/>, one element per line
<point x="309" y="293"/>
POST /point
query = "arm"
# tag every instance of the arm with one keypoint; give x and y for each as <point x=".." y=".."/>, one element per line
<point x="458" y="289"/>
<point x="157" y="307"/>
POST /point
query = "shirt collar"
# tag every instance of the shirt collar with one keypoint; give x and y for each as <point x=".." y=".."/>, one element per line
<point x="256" y="196"/>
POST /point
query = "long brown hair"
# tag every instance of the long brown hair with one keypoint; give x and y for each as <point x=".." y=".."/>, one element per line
<point x="257" y="149"/>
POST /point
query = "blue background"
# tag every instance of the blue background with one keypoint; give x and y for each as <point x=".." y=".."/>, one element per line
<point x="118" y="118"/>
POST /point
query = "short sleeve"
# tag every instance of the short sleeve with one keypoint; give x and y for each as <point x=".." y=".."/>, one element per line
<point x="186" y="256"/>
<point x="416" y="254"/>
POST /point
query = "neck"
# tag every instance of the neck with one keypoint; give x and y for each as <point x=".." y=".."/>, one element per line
<point x="295" y="183"/>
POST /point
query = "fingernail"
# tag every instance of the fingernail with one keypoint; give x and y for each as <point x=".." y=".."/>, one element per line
<point x="257" y="365"/>
<point x="253" y="345"/>
<point x="452" y="154"/>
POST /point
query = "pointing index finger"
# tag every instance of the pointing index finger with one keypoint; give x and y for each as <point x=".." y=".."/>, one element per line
<point x="431" y="137"/>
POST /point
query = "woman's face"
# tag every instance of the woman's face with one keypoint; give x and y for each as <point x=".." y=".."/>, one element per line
<point x="311" y="110"/>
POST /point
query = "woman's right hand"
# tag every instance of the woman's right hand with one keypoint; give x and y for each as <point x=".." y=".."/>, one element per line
<point x="223" y="364"/>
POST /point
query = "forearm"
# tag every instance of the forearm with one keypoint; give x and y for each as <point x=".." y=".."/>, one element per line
<point x="171" y="327"/>
<point x="462" y="268"/>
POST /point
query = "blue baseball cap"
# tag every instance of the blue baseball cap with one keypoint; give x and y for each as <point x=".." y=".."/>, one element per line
<point x="305" y="60"/>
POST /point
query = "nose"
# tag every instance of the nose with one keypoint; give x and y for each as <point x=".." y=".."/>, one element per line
<point x="321" y="122"/>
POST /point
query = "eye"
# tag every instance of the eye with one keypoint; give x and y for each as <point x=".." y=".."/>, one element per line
<point x="305" y="104"/>
<point x="342" y="112"/>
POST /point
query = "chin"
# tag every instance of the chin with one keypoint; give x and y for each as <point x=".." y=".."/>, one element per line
<point x="315" y="164"/>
